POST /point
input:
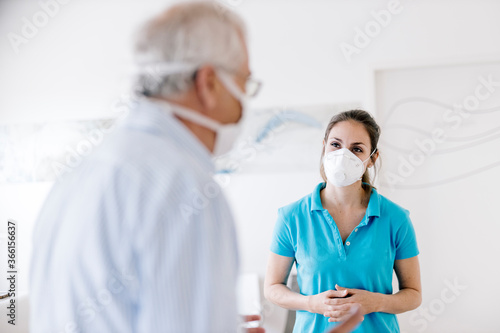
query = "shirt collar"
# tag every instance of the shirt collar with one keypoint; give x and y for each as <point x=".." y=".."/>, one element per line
<point x="155" y="118"/>
<point x="316" y="197"/>
<point x="373" y="208"/>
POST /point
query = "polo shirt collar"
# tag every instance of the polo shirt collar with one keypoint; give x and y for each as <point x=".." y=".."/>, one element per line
<point x="316" y="197"/>
<point x="373" y="208"/>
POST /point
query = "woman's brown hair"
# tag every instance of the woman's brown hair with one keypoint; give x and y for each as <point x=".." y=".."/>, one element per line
<point x="371" y="127"/>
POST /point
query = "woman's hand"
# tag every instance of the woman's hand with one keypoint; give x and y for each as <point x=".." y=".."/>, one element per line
<point x="366" y="299"/>
<point x="351" y="322"/>
<point x="318" y="303"/>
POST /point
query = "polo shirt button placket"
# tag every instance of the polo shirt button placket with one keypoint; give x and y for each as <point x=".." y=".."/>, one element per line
<point x="347" y="247"/>
<point x="336" y="236"/>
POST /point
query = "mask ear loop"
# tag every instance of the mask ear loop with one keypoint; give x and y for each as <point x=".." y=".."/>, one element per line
<point x="373" y="152"/>
<point x="191" y="115"/>
<point x="232" y="87"/>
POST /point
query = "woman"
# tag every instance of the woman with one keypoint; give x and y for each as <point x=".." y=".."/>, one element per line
<point x="346" y="239"/>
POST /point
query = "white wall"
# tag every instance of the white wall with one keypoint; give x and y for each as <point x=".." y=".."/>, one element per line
<point x="76" y="68"/>
<point x="450" y="191"/>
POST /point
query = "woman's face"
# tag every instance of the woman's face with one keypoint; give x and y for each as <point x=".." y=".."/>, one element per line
<point x="353" y="136"/>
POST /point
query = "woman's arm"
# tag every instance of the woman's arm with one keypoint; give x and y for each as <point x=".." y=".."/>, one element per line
<point x="276" y="291"/>
<point x="407" y="298"/>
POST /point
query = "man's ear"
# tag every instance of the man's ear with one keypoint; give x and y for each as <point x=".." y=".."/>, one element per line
<point x="207" y="87"/>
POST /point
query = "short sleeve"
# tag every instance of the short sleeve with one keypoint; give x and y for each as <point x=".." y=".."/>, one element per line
<point x="281" y="242"/>
<point x="406" y="240"/>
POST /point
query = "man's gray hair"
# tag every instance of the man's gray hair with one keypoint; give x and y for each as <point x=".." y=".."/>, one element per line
<point x="193" y="33"/>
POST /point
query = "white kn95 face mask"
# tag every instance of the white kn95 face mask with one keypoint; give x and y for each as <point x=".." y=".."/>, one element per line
<point x="343" y="168"/>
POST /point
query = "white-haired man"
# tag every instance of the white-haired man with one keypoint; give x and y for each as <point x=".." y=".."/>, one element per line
<point x="139" y="238"/>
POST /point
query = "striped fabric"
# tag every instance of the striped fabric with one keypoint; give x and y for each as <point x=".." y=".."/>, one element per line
<point x="138" y="238"/>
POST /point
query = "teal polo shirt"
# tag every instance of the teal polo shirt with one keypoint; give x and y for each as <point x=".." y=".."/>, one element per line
<point x="307" y="232"/>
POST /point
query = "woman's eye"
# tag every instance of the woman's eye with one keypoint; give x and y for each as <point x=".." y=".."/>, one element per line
<point x="335" y="144"/>
<point x="357" y="150"/>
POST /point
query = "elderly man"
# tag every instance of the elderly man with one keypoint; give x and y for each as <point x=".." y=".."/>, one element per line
<point x="139" y="238"/>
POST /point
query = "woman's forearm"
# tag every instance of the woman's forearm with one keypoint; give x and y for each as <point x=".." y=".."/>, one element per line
<point x="402" y="301"/>
<point x="281" y="295"/>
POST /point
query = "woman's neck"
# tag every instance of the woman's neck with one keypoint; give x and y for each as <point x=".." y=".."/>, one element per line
<point x="347" y="197"/>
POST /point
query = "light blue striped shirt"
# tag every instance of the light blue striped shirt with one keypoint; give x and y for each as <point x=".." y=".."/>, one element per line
<point x="138" y="238"/>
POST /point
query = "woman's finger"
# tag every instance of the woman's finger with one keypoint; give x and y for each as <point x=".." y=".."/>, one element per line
<point x="343" y="307"/>
<point x="350" y="324"/>
<point x="338" y="301"/>
<point x="336" y="293"/>
<point x="337" y="315"/>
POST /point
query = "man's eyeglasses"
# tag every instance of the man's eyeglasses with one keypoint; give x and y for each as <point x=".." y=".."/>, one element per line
<point x="252" y="86"/>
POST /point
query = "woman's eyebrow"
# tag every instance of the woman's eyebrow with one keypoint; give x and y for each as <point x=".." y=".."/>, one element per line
<point x="354" y="143"/>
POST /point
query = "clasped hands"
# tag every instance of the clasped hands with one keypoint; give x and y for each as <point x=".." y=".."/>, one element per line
<point x="338" y="304"/>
